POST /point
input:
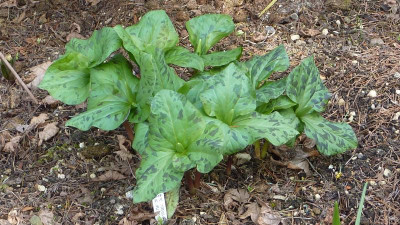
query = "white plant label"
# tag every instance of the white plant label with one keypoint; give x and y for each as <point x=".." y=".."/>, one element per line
<point x="160" y="207"/>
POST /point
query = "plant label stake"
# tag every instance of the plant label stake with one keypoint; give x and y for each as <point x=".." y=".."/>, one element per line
<point x="159" y="207"/>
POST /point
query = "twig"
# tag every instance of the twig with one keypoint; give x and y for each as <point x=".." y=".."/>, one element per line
<point x="18" y="78"/>
<point x="268" y="7"/>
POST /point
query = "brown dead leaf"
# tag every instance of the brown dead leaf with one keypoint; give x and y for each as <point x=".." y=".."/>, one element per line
<point x="27" y="208"/>
<point x="309" y="143"/>
<point x="37" y="120"/>
<point x="13" y="144"/>
<point x="124" y="153"/>
<point x="13" y="217"/>
<point x="267" y="216"/>
<point x="311" y="32"/>
<point x="74" y="35"/>
<point x="110" y="175"/>
<point x="9" y="4"/>
<point x="38" y="72"/>
<point x="46" y="217"/>
<point x="78" y="216"/>
<point x="125" y="221"/>
<point x="238" y="195"/>
<point x="93" y="2"/>
<point x="49" y="100"/>
<point x="253" y="210"/>
<point x="48" y="132"/>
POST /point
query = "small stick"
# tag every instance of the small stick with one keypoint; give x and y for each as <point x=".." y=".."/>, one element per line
<point x="229" y="165"/>
<point x="266" y="8"/>
<point x="197" y="176"/>
<point x="18" y="78"/>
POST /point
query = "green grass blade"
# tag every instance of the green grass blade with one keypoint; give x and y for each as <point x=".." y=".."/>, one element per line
<point x="360" y="207"/>
<point x="336" y="215"/>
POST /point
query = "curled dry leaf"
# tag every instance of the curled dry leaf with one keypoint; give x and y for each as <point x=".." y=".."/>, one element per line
<point x="48" y="132"/>
<point x="13" y="144"/>
<point x="38" y="72"/>
<point x="124" y="153"/>
<point x="37" y="120"/>
<point x="110" y="175"/>
<point x="238" y="195"/>
<point x="125" y="221"/>
<point x="74" y="35"/>
<point x="253" y="210"/>
<point x="267" y="216"/>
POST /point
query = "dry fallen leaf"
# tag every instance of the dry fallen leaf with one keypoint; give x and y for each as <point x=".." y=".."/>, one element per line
<point x="37" y="120"/>
<point x="253" y="210"/>
<point x="9" y="4"/>
<point x="38" y="72"/>
<point x="13" y="217"/>
<point x="124" y="153"/>
<point x="311" y="32"/>
<point x="267" y="216"/>
<point x="232" y="195"/>
<point x="46" y="217"/>
<point x="49" y="100"/>
<point x="48" y="132"/>
<point x="110" y="175"/>
<point x="125" y="221"/>
<point x="74" y="35"/>
<point x="12" y="145"/>
<point x="78" y="216"/>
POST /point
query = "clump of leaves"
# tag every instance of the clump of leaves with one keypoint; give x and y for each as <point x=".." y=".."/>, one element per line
<point x="179" y="125"/>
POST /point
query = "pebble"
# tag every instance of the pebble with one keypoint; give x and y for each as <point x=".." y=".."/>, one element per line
<point x="396" y="116"/>
<point x="341" y="102"/>
<point x="338" y="22"/>
<point x="373" y="106"/>
<point x="398" y="92"/>
<point x="372" y="183"/>
<point x="61" y="176"/>
<point x="354" y="62"/>
<point x="382" y="182"/>
<point x="325" y="32"/>
<point x="317" y="197"/>
<point x="396" y="75"/>
<point x="377" y="41"/>
<point x="81" y="145"/>
<point x="41" y="188"/>
<point x="294" y="16"/>
<point x="352" y="114"/>
<point x="92" y="176"/>
<point x="294" y="37"/>
<point x="269" y="30"/>
<point x="372" y="93"/>
<point x="119" y="209"/>
<point x="387" y="172"/>
<point x="360" y="155"/>
<point x="330" y="167"/>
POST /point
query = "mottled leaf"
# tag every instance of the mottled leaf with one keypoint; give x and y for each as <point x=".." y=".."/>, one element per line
<point x="183" y="57"/>
<point x="228" y="95"/>
<point x="271" y="90"/>
<point x="67" y="79"/>
<point x="282" y="102"/>
<point x="206" y="30"/>
<point x="331" y="138"/>
<point x="304" y="86"/>
<point x="295" y="122"/>
<point x="141" y="141"/>
<point x="98" y="47"/>
<point x="261" y="67"/>
<point x="172" y="199"/>
<point x="222" y="58"/>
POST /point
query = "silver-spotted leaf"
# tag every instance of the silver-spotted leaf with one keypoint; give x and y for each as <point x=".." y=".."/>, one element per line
<point x="228" y="95"/>
<point x="98" y="47"/>
<point x="261" y="67"/>
<point x="67" y="79"/>
<point x="331" y="138"/>
<point x="206" y="30"/>
<point x="181" y="56"/>
<point x="304" y="86"/>
<point x="222" y="58"/>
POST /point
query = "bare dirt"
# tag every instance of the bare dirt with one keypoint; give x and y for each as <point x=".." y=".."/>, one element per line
<point x="77" y="177"/>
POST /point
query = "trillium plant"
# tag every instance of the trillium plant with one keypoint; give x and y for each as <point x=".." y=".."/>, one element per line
<point x="179" y="125"/>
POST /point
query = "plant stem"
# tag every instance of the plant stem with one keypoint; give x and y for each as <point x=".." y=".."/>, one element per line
<point x="189" y="183"/>
<point x="257" y="149"/>
<point x="129" y="130"/>
<point x="229" y="165"/>
<point x="264" y="150"/>
<point x="197" y="176"/>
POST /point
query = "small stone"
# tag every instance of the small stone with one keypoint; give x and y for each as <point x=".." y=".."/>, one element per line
<point x="330" y="167"/>
<point x="377" y="41"/>
<point x="382" y="182"/>
<point x="373" y="106"/>
<point x="341" y="102"/>
<point x="354" y="158"/>
<point x="372" y="183"/>
<point x="398" y="92"/>
<point x="119" y="209"/>
<point x="129" y="195"/>
<point x="81" y="145"/>
<point x="360" y="155"/>
<point x="269" y="30"/>
<point x="354" y="62"/>
<point x="41" y="188"/>
<point x="346" y="192"/>
<point x="396" y="75"/>
<point x="396" y="116"/>
<point x="92" y="176"/>
<point x="294" y="16"/>
<point x="387" y="172"/>
<point x="202" y="213"/>
<point x="61" y="176"/>
<point x="372" y="93"/>
<point x="397" y="131"/>
<point x="294" y="37"/>
<point x="325" y="32"/>
<point x="338" y="22"/>
<point x="317" y="197"/>
<point x="103" y="189"/>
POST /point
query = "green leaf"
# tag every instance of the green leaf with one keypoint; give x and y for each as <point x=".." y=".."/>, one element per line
<point x="304" y="86"/>
<point x="172" y="199"/>
<point x="154" y="30"/>
<point x="228" y="95"/>
<point x="155" y="76"/>
<point x="98" y="47"/>
<point x="282" y="102"/>
<point x="273" y="127"/>
<point x="182" y="57"/>
<point x="271" y="90"/>
<point x="336" y="215"/>
<point x="261" y="67"/>
<point x="141" y="141"/>
<point x="179" y="138"/>
<point x="67" y="79"/>
<point x="295" y="122"/>
<point x="222" y="58"/>
<point x="112" y="96"/>
<point x="331" y="138"/>
<point x="206" y="30"/>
